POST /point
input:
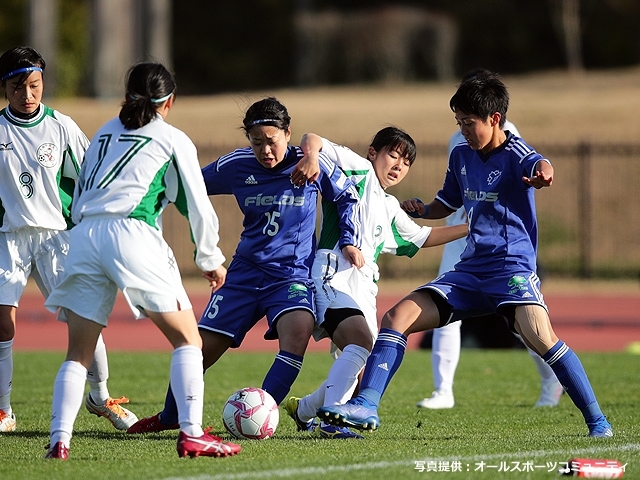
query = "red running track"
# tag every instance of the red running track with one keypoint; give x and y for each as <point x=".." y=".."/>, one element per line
<point x="586" y="323"/>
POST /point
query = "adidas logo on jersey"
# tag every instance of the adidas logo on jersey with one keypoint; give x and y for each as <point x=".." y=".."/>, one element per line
<point x="384" y="366"/>
<point x="304" y="300"/>
<point x="251" y="180"/>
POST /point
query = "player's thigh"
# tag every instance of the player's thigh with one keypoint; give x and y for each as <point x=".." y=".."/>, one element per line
<point x="180" y="327"/>
<point x="294" y="330"/>
<point x="533" y="325"/>
<point x="414" y="313"/>
<point x="7" y="322"/>
<point x="353" y="330"/>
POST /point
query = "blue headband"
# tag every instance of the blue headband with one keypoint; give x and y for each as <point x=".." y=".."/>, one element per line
<point x="263" y="120"/>
<point x="19" y="71"/>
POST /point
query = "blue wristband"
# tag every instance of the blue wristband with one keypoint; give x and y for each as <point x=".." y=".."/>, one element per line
<point x="416" y="214"/>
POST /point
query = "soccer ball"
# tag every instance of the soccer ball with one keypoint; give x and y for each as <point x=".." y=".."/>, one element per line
<point x="251" y="413"/>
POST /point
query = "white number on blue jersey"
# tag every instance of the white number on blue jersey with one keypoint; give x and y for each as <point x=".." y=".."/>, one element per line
<point x="271" y="228"/>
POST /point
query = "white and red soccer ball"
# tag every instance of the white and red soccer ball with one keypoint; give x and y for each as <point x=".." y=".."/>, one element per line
<point x="251" y="413"/>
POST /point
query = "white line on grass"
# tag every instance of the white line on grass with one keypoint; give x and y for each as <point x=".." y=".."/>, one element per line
<point x="297" y="472"/>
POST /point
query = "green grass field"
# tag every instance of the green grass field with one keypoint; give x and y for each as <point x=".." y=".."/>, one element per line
<point x="493" y="423"/>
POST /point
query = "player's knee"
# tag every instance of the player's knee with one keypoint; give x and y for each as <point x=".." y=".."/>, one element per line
<point x="353" y="332"/>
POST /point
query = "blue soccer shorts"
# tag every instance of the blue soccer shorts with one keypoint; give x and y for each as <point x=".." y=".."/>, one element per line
<point x="470" y="295"/>
<point x="250" y="294"/>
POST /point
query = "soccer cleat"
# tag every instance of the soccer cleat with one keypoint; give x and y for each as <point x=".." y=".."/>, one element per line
<point x="7" y="422"/>
<point x="437" y="400"/>
<point x="550" y="394"/>
<point x="58" y="451"/>
<point x="151" y="424"/>
<point x="120" y="417"/>
<point x="291" y="407"/>
<point x="600" y="429"/>
<point x="333" y="431"/>
<point x="356" y="413"/>
<point x="205" y="446"/>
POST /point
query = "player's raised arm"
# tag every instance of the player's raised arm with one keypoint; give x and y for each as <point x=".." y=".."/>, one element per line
<point x="308" y="167"/>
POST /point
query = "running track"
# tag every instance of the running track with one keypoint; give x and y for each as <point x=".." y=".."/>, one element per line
<point x="586" y="323"/>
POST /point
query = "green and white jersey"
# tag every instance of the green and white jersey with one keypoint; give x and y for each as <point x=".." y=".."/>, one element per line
<point x="385" y="227"/>
<point x="39" y="163"/>
<point x="136" y="173"/>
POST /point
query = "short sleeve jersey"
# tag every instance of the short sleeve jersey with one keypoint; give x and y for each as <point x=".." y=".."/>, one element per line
<point x="136" y="173"/>
<point x="503" y="230"/>
<point x="279" y="217"/>
<point x="385" y="227"/>
<point x="39" y="163"/>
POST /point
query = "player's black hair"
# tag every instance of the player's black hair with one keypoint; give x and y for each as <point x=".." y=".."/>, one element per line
<point x="395" y="139"/>
<point x="149" y="85"/>
<point x="18" y="58"/>
<point x="482" y="95"/>
<point x="268" y="111"/>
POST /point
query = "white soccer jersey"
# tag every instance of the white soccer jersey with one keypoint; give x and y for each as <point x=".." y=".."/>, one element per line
<point x="136" y="173"/>
<point x="385" y="227"/>
<point x="39" y="163"/>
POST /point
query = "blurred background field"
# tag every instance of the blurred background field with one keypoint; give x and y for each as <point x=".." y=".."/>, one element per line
<point x="585" y="123"/>
<point x="346" y="68"/>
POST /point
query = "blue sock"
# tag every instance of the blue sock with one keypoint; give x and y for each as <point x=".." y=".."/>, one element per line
<point x="169" y="415"/>
<point x="571" y="375"/>
<point x="282" y="374"/>
<point x="382" y="364"/>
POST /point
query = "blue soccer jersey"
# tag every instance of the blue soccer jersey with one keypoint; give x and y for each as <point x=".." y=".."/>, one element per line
<point x="503" y="230"/>
<point x="279" y="217"/>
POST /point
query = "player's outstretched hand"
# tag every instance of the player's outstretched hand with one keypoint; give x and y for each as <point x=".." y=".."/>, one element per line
<point x="539" y="179"/>
<point x="354" y="255"/>
<point x="307" y="169"/>
<point x="216" y="277"/>
<point x="415" y="208"/>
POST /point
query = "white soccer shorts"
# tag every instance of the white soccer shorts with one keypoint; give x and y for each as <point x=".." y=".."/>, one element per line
<point x="108" y="253"/>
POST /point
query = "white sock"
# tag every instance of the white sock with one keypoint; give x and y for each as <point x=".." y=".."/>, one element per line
<point x="68" y="393"/>
<point x="6" y="375"/>
<point x="309" y="405"/>
<point x="187" y="383"/>
<point x="343" y="374"/>
<point x="445" y="355"/>
<point x="98" y="374"/>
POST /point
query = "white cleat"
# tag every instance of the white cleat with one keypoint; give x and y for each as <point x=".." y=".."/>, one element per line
<point x="437" y="400"/>
<point x="120" y="417"/>
<point x="7" y="422"/>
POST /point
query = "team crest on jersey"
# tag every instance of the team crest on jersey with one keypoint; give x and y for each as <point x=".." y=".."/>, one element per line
<point x="297" y="290"/>
<point x="493" y="176"/>
<point x="518" y="283"/>
<point x="47" y="155"/>
<point x="6" y="146"/>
